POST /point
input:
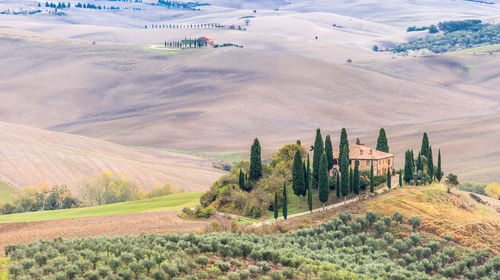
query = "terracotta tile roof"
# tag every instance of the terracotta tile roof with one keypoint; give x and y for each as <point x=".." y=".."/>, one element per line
<point x="363" y="152"/>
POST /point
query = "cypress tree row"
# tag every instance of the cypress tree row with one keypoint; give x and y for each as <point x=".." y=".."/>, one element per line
<point x="241" y="181"/>
<point x="324" y="189"/>
<point x="343" y="142"/>
<point x="298" y="178"/>
<point x="344" y="173"/>
<point x="438" y="171"/>
<point x="424" y="150"/>
<point x="356" y="178"/>
<point x="389" y="183"/>
<point x="285" y="202"/>
<point x="372" y="187"/>
<point x="329" y="152"/>
<point x="430" y="165"/>
<point x="318" y="151"/>
<point x="255" y="161"/>
<point x="275" y="205"/>
<point x="309" y="198"/>
<point x="382" y="144"/>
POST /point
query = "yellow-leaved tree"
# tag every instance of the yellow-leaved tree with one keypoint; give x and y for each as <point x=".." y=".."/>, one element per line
<point x="493" y="190"/>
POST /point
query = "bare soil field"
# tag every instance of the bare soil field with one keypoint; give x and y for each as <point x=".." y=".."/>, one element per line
<point x="30" y="156"/>
<point x="111" y="225"/>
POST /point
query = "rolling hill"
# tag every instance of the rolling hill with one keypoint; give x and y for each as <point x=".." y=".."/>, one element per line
<point x="29" y="156"/>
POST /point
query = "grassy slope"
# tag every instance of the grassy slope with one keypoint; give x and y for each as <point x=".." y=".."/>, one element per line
<point x="7" y="193"/>
<point x="172" y="202"/>
<point x="468" y="222"/>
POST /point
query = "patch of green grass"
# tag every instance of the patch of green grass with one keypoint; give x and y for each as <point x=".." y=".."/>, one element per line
<point x="479" y="50"/>
<point x="4" y="268"/>
<point x="173" y="202"/>
<point x="7" y="193"/>
<point x="231" y="156"/>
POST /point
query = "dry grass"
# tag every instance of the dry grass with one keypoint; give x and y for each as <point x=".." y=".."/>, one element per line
<point x="470" y="224"/>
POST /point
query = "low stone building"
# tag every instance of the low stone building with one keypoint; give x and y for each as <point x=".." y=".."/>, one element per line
<point x="381" y="160"/>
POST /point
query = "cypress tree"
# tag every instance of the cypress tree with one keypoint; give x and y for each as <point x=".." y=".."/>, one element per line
<point x="420" y="163"/>
<point x="351" y="183"/>
<point x="241" y="181"/>
<point x="309" y="198"/>
<point x="298" y="142"/>
<point x="382" y="144"/>
<point x="344" y="173"/>
<point x="356" y="178"/>
<point x="358" y="142"/>
<point x="400" y="178"/>
<point x="430" y="165"/>
<point x="438" y="175"/>
<point x="298" y="178"/>
<point x="307" y="176"/>
<point x="424" y="150"/>
<point x="338" y="185"/>
<point x="285" y="202"/>
<point x="318" y="151"/>
<point x="343" y="142"/>
<point x="329" y="152"/>
<point x="407" y="176"/>
<point x="324" y="189"/>
<point x="275" y="205"/>
<point x="372" y="187"/>
<point x="255" y="161"/>
<point x="389" y="183"/>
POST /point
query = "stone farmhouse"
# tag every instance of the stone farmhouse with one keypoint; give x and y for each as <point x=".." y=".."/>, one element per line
<point x="381" y="160"/>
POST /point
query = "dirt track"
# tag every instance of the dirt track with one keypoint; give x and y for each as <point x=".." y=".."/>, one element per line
<point x="136" y="223"/>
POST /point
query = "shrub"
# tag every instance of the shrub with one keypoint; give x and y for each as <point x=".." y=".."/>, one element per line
<point x="414" y="221"/>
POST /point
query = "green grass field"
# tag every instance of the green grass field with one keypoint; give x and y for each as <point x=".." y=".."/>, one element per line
<point x="479" y="50"/>
<point x="7" y="193"/>
<point x="173" y="202"/>
<point x="4" y="272"/>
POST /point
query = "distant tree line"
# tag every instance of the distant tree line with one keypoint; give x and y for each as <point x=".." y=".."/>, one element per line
<point x="95" y="7"/>
<point x="457" y="35"/>
<point x="59" y="5"/>
<point x="432" y="28"/>
<point x="185" y="26"/>
<point x="181" y="5"/>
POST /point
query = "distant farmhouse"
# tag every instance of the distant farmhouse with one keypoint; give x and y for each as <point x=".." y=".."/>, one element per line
<point x="381" y="160"/>
<point x="209" y="41"/>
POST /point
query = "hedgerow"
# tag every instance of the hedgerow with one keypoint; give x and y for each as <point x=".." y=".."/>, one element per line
<point x="342" y="248"/>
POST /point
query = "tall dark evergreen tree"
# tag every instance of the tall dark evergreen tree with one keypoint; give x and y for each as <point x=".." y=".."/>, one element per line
<point x="255" y="161"/>
<point x="318" y="151"/>
<point x="307" y="175"/>
<point x="351" y="183"/>
<point x="241" y="181"/>
<point x="285" y="202"/>
<point x="309" y="198"/>
<point x="343" y="142"/>
<point x="358" y="142"/>
<point x="356" y="186"/>
<point x="408" y="176"/>
<point x="424" y="150"/>
<point x="389" y="183"/>
<point x="382" y="144"/>
<point x="344" y="173"/>
<point x="324" y="189"/>
<point x="420" y="163"/>
<point x="372" y="187"/>
<point x="430" y="165"/>
<point x="438" y="171"/>
<point x="329" y="152"/>
<point x="338" y="185"/>
<point x="400" y="178"/>
<point x="275" y="205"/>
<point x="298" y="142"/>
<point x="298" y="178"/>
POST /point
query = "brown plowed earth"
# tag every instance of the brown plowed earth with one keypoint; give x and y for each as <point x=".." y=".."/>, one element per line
<point x="111" y="225"/>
